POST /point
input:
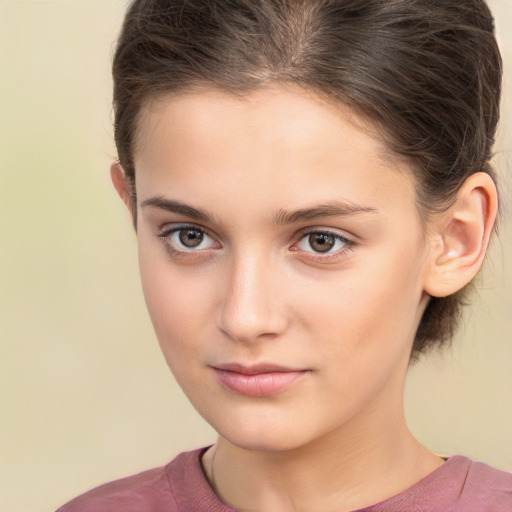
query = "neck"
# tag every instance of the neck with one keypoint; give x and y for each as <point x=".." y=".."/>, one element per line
<point x="345" y="470"/>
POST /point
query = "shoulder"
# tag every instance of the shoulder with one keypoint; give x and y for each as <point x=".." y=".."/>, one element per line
<point x="483" y="484"/>
<point x="153" y="490"/>
<point x="143" y="492"/>
<point x="462" y="485"/>
<point x="459" y="485"/>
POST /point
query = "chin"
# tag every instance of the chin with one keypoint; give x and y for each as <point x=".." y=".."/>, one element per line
<point x="264" y="436"/>
<point x="262" y="443"/>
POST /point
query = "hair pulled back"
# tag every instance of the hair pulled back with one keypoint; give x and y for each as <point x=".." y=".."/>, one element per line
<point x="427" y="73"/>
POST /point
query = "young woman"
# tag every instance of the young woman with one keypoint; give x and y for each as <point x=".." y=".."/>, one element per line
<point x="311" y="186"/>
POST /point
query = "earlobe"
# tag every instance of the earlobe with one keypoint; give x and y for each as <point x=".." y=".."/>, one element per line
<point x="119" y="182"/>
<point x="460" y="237"/>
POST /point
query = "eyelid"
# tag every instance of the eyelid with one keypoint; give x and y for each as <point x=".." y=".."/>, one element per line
<point x="170" y="227"/>
<point x="167" y="230"/>
<point x="348" y="241"/>
<point x="328" y="231"/>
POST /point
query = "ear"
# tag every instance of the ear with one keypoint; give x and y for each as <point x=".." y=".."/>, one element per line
<point x="119" y="182"/>
<point x="460" y="236"/>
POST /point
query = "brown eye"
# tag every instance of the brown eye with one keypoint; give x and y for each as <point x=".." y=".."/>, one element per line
<point x="187" y="239"/>
<point x="321" y="242"/>
<point x="190" y="238"/>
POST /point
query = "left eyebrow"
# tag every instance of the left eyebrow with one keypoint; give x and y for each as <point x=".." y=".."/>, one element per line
<point x="331" y="209"/>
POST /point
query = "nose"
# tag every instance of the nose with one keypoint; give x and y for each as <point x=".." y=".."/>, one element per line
<point x="252" y="305"/>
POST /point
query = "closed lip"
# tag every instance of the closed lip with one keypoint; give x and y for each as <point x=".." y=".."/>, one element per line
<point x="255" y="369"/>
<point x="258" y="380"/>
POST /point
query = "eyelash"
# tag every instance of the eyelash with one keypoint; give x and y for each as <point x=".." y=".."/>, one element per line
<point x="166" y="235"/>
<point x="348" y="245"/>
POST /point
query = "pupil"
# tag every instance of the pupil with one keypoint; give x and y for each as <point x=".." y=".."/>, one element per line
<point x="191" y="237"/>
<point x="321" y="242"/>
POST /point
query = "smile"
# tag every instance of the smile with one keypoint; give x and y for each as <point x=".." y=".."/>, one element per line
<point x="258" y="380"/>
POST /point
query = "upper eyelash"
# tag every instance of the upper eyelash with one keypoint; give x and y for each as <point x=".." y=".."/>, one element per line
<point x="164" y="234"/>
<point x="349" y="243"/>
<point x="169" y="231"/>
<point x="327" y="257"/>
<point x="325" y="232"/>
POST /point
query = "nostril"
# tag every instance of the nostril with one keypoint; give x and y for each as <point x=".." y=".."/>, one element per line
<point x="248" y="322"/>
<point x="246" y="332"/>
<point x="251" y="307"/>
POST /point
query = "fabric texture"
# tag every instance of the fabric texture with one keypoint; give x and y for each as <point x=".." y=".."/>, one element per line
<point x="459" y="485"/>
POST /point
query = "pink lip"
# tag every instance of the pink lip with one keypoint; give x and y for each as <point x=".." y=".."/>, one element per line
<point x="258" y="380"/>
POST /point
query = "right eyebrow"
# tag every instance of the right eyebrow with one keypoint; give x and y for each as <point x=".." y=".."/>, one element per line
<point x="173" y="206"/>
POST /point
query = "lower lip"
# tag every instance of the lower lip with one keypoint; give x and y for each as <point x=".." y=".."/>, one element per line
<point x="261" y="384"/>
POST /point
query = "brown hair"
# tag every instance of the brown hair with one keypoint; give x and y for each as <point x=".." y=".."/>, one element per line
<point x="426" y="72"/>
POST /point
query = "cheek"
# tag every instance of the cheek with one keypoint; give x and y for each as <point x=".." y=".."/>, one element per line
<point x="367" y="317"/>
<point x="179" y="305"/>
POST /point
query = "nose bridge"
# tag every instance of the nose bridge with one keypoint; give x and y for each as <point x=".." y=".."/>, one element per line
<point x="251" y="306"/>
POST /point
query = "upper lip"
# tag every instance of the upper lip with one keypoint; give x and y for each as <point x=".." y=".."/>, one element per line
<point x="255" y="369"/>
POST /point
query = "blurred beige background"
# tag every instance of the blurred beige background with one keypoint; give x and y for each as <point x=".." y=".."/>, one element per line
<point x="85" y="395"/>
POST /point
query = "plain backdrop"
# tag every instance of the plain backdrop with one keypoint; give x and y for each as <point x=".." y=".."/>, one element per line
<point x="85" y="395"/>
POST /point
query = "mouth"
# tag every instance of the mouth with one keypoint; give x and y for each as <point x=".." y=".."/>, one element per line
<point x="257" y="380"/>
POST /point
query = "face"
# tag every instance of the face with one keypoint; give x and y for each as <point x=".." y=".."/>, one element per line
<point x="282" y="259"/>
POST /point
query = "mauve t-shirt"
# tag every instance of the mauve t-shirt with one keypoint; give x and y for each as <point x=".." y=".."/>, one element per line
<point x="459" y="485"/>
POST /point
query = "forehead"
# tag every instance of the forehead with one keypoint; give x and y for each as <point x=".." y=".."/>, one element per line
<point x="284" y="141"/>
<point x="285" y="108"/>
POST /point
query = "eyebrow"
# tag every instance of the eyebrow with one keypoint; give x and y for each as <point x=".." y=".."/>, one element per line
<point x="178" y="207"/>
<point x="330" y="209"/>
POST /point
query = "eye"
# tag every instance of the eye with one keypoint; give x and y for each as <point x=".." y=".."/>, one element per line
<point x="187" y="239"/>
<point x="323" y="242"/>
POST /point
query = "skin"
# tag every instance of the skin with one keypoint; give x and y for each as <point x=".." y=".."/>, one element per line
<point x="257" y="290"/>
